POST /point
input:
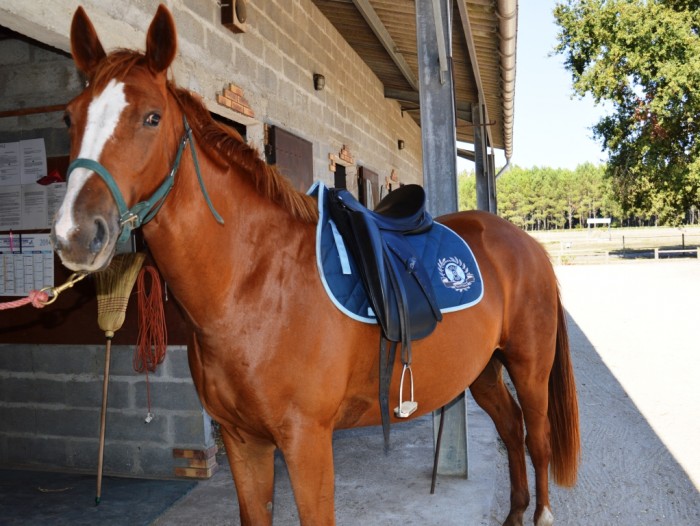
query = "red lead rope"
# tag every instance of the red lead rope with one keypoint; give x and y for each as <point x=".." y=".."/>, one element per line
<point x="152" y="338"/>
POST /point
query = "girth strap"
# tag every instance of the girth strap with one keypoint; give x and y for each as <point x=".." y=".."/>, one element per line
<point x="387" y="355"/>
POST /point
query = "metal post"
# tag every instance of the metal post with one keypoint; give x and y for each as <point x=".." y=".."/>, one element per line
<point x="480" y="160"/>
<point x="438" y="128"/>
<point x="493" y="199"/>
<point x="437" y="110"/>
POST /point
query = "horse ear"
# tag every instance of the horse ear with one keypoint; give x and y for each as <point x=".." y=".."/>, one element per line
<point x="85" y="46"/>
<point x="161" y="42"/>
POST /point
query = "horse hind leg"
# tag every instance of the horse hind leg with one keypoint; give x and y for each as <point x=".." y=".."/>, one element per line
<point x="531" y="385"/>
<point x="252" y="464"/>
<point x="491" y="394"/>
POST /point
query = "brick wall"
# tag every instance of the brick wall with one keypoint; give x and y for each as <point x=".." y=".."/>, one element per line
<point x="32" y="76"/>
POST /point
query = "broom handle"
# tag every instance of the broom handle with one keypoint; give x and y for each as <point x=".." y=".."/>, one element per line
<point x="103" y="419"/>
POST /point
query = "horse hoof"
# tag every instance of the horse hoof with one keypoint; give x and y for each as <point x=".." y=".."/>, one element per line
<point x="514" y="519"/>
<point x="546" y="518"/>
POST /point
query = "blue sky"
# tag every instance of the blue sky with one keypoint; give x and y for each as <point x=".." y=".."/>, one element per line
<point x="552" y="126"/>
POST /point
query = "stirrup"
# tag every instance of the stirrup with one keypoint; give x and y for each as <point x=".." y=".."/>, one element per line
<point x="407" y="408"/>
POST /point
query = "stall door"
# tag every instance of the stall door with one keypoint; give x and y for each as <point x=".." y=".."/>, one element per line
<point x="368" y="187"/>
<point x="292" y="155"/>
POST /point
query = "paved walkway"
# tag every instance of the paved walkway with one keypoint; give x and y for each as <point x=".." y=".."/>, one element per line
<point x="372" y="488"/>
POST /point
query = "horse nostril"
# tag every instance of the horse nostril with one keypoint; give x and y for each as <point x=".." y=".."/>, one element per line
<point x="56" y="241"/>
<point x="100" y="233"/>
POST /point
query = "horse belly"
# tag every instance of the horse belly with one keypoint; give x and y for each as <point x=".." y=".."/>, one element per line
<point x="443" y="365"/>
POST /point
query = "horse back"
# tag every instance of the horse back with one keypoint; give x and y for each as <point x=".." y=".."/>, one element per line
<point x="498" y="244"/>
<point x="514" y="266"/>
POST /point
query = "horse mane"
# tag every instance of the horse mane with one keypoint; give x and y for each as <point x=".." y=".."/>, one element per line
<point x="217" y="140"/>
<point x="227" y="143"/>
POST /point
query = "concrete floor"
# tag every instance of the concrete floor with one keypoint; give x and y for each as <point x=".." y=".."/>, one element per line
<point x="371" y="487"/>
<point x="634" y="336"/>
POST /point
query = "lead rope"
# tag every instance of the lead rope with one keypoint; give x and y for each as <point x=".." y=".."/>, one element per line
<point x="152" y="339"/>
<point x="37" y="298"/>
<point x="46" y="296"/>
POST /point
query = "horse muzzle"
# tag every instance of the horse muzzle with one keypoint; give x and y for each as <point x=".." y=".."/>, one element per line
<point x="88" y="245"/>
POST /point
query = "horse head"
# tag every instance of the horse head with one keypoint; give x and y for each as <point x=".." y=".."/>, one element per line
<point x="124" y="127"/>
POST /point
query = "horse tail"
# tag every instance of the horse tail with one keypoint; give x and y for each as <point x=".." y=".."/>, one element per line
<point x="563" y="409"/>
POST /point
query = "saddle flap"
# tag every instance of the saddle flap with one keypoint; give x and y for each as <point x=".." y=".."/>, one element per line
<point x="415" y="295"/>
<point x="397" y="286"/>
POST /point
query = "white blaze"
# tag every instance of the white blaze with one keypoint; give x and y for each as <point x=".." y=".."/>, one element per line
<point x="102" y="119"/>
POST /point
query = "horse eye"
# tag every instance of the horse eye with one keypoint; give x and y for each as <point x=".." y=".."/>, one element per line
<point x="66" y="119"/>
<point x="153" y="119"/>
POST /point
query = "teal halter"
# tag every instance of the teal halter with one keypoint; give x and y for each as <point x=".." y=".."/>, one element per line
<point x="141" y="213"/>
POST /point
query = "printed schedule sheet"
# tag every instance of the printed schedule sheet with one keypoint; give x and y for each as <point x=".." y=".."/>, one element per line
<point x="26" y="263"/>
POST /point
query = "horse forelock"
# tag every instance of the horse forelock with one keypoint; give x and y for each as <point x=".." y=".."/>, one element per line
<point x="115" y="66"/>
<point x="226" y="144"/>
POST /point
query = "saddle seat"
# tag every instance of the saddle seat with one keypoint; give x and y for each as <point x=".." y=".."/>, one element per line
<point x="398" y="287"/>
<point x="403" y="210"/>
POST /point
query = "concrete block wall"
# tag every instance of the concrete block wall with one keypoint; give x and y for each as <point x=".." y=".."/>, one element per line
<point x="33" y="76"/>
<point x="287" y="41"/>
<point x="50" y="395"/>
<point x="50" y="399"/>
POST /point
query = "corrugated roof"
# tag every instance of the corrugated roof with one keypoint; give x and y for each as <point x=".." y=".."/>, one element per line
<point x="383" y="33"/>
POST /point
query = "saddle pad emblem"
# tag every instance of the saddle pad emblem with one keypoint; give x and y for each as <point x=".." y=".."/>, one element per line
<point x="454" y="274"/>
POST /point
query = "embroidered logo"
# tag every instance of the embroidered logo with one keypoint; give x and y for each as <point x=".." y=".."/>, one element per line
<point x="454" y="274"/>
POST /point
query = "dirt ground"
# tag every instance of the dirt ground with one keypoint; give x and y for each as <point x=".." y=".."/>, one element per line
<point x="635" y="338"/>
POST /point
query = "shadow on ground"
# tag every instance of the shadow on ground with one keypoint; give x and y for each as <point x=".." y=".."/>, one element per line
<point x="40" y="498"/>
<point x="627" y="475"/>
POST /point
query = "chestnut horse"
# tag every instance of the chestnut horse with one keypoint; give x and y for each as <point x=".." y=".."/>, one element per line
<point x="273" y="361"/>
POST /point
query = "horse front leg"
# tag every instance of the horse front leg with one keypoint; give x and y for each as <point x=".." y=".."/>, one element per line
<point x="252" y="462"/>
<point x="308" y="453"/>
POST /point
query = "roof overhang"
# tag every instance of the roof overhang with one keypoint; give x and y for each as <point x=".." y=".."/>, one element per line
<point x="484" y="35"/>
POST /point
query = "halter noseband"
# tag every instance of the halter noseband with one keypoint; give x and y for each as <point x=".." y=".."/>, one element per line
<point x="141" y="213"/>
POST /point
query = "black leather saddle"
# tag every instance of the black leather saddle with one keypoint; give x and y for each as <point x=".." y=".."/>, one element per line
<point x="397" y="285"/>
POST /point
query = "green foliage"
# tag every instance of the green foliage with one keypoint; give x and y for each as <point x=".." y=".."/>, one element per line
<point x="466" y="191"/>
<point x="547" y="198"/>
<point x="643" y="58"/>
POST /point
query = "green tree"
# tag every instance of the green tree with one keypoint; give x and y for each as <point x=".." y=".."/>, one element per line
<point x="642" y="57"/>
<point x="546" y="198"/>
<point x="466" y="190"/>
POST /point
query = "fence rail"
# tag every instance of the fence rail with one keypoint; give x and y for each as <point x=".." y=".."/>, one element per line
<point x="695" y="251"/>
<point x="603" y="246"/>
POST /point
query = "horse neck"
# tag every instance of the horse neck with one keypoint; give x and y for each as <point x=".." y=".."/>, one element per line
<point x="208" y="265"/>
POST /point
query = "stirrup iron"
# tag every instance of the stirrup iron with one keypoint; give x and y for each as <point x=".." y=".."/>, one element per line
<point x="407" y="408"/>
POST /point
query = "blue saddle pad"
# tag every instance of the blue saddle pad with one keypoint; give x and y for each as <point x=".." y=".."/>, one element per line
<point x="448" y="260"/>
